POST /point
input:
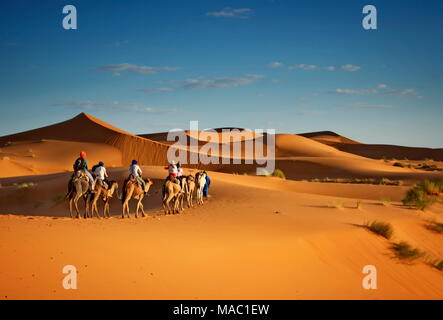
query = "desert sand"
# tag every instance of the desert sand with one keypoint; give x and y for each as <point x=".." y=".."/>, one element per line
<point x="255" y="237"/>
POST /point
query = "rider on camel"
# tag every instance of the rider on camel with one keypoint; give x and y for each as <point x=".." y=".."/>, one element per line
<point x="136" y="172"/>
<point x="81" y="164"/>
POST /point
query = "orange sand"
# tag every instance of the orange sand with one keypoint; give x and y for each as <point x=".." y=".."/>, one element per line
<point x="256" y="237"/>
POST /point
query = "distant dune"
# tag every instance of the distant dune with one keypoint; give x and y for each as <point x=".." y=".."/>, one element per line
<point x="312" y="155"/>
<point x="374" y="151"/>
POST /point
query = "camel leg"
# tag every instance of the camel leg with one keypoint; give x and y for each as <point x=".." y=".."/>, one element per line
<point x="94" y="206"/>
<point x="87" y="211"/>
<point x="70" y="207"/>
<point x="201" y="197"/>
<point x="76" y="206"/>
<point x="125" y="208"/>
<point x="168" y="200"/>
<point x="106" y="213"/>
<point x="181" y="201"/>
<point x="188" y="198"/>
<point x="136" y="209"/>
<point x="165" y="208"/>
<point x="143" y="211"/>
<point x="176" y="204"/>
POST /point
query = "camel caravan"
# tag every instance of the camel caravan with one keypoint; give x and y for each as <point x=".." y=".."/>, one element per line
<point x="95" y="187"/>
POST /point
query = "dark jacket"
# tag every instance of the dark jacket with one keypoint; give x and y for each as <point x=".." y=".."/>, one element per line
<point x="80" y="164"/>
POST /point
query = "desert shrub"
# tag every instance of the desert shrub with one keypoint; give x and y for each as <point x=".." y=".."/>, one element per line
<point x="435" y="226"/>
<point x="58" y="198"/>
<point x="337" y="204"/>
<point x="383" y="229"/>
<point x="5" y="158"/>
<point x="279" y="174"/>
<point x="438" y="264"/>
<point x="439" y="185"/>
<point x="418" y="198"/>
<point x="399" y="164"/>
<point x="428" y="167"/>
<point x="358" y="205"/>
<point x="405" y="251"/>
<point x="388" y="182"/>
<point x="430" y="187"/>
<point x="385" y="201"/>
<point x="26" y="185"/>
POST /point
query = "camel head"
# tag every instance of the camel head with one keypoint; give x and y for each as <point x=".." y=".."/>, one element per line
<point x="149" y="183"/>
<point x="113" y="187"/>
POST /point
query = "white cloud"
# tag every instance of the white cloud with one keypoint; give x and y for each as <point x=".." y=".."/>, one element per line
<point x="402" y="92"/>
<point x="240" y="13"/>
<point x="153" y="90"/>
<point x="346" y="67"/>
<point x="222" y="82"/>
<point x="353" y="92"/>
<point x="364" y="105"/>
<point x="350" y="68"/>
<point x="117" y="69"/>
<point x="276" y="64"/>
<point x="303" y="67"/>
<point x="381" y="89"/>
<point x="330" y="68"/>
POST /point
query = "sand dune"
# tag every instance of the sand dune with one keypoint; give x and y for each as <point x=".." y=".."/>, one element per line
<point x="236" y="240"/>
<point x="48" y="156"/>
<point x="328" y="137"/>
<point x="53" y="149"/>
<point x="256" y="237"/>
<point x="85" y="128"/>
<point x="374" y="151"/>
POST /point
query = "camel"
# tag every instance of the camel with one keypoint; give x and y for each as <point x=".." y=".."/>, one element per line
<point x="189" y="190"/>
<point x="200" y="178"/>
<point x="173" y="192"/>
<point x="106" y="195"/>
<point x="78" y="188"/>
<point x="132" y="190"/>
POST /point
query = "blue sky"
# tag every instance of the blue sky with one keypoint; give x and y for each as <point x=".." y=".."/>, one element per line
<point x="293" y="66"/>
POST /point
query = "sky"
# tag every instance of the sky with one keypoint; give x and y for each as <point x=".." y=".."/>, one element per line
<point x="290" y="65"/>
